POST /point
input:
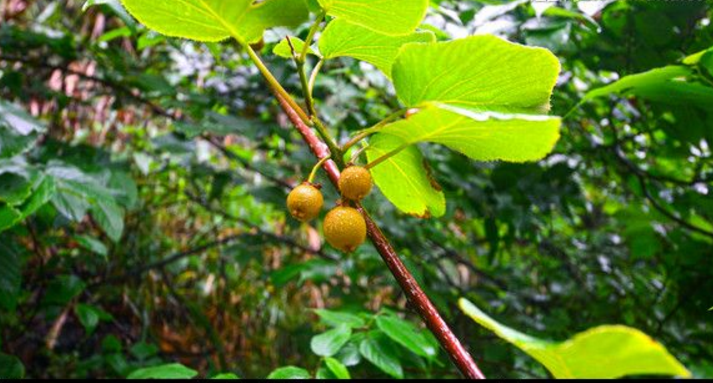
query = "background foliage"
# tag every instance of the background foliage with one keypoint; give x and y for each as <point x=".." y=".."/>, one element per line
<point x="142" y="187"/>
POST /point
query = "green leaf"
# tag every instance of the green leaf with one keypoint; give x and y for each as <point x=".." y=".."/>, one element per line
<point x="62" y="290"/>
<point x="652" y="77"/>
<point x="338" y="318"/>
<point x="289" y="372"/>
<point x="110" y="217"/>
<point x="376" y="349"/>
<point x="88" y="316"/>
<point x="481" y="73"/>
<point x="338" y="369"/>
<point x="323" y="373"/>
<point x="10" y="274"/>
<point x="116" y="7"/>
<point x="342" y="38"/>
<point x="26" y="200"/>
<point x="393" y="17"/>
<point x="216" y="20"/>
<point x="330" y="342"/>
<point x="227" y="376"/>
<point x="706" y="63"/>
<point x="18" y="130"/>
<point x="482" y="136"/>
<point x="41" y="196"/>
<point x="405" y="178"/>
<point x="284" y="50"/>
<point x="9" y="217"/>
<point x="167" y="371"/>
<point x="349" y="354"/>
<point x="92" y="244"/>
<point x="666" y="85"/>
<point x="603" y="352"/>
<point x="11" y="367"/>
<point x="406" y="334"/>
<point x="15" y="188"/>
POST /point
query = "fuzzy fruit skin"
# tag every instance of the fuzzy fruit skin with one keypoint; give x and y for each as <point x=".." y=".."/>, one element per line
<point x="345" y="228"/>
<point x="305" y="202"/>
<point x="355" y="183"/>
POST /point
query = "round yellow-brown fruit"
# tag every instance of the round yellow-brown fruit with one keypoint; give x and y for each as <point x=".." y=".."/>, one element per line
<point x="355" y="183"/>
<point x="305" y="202"/>
<point x="345" y="228"/>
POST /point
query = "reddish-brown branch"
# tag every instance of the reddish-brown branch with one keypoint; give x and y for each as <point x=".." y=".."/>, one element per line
<point x="455" y="350"/>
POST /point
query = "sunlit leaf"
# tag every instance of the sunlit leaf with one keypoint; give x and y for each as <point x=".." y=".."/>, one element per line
<point x="342" y="38"/>
<point x="337" y="368"/>
<point x="666" y="85"/>
<point x="481" y="73"/>
<point x="284" y="50"/>
<point x="603" y="352"/>
<point x="405" y="178"/>
<point x="391" y="17"/>
<point x="215" y="20"/>
<point x="482" y="136"/>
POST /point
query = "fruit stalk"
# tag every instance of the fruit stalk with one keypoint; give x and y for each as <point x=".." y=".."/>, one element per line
<point x="416" y="296"/>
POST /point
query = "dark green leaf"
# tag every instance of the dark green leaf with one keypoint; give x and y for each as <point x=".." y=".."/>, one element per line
<point x="376" y="349"/>
<point x="10" y="274"/>
<point x="11" y="367"/>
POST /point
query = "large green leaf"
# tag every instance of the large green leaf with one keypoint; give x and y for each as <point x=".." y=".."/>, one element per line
<point x="391" y="17"/>
<point x="405" y="178"/>
<point x="168" y="371"/>
<point x="406" y="334"/>
<point x="482" y="96"/>
<point x="330" y="342"/>
<point x="10" y="274"/>
<point x="482" y="73"/>
<point x="604" y="352"/>
<point x="482" y="136"/>
<point x="215" y="20"/>
<point x="377" y="350"/>
<point x="342" y="38"/>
